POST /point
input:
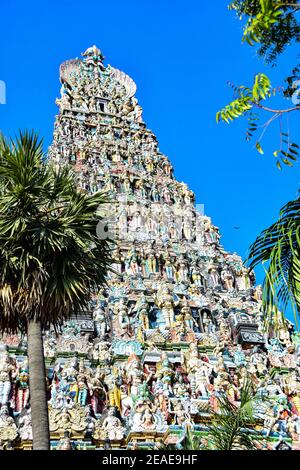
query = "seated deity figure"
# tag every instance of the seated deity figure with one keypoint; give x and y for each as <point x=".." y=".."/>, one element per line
<point x="112" y="426"/>
<point x="260" y="362"/>
<point x="8" y="428"/>
<point x="181" y="416"/>
<point x="147" y="420"/>
<point x="282" y="330"/>
<point x="25" y="425"/>
<point x="273" y="389"/>
<point x="7" y="371"/>
<point x="180" y="388"/>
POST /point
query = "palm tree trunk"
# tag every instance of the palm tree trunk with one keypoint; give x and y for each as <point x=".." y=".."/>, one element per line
<point x="37" y="382"/>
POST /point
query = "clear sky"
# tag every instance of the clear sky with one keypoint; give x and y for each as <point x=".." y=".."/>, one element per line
<point x="181" y="55"/>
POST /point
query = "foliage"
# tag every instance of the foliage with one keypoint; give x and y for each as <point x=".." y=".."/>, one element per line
<point x="232" y="424"/>
<point x="188" y="440"/>
<point x="279" y="247"/>
<point x="51" y="258"/>
<point x="271" y="25"/>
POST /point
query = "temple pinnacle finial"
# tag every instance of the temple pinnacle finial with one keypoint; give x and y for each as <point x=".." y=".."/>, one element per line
<point x="93" y="55"/>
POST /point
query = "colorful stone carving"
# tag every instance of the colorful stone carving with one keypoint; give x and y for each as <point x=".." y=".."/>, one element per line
<point x="179" y="322"/>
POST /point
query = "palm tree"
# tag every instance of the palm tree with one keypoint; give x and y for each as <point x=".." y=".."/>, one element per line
<point x="231" y="424"/>
<point x="50" y="256"/>
<point x="279" y="246"/>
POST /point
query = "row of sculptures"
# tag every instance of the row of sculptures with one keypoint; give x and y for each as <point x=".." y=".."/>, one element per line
<point x="179" y="323"/>
<point x="220" y="272"/>
<point x="150" y="393"/>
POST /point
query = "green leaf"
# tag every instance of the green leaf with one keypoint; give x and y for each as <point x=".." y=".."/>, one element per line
<point x="259" y="148"/>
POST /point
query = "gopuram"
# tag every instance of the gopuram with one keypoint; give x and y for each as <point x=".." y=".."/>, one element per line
<point x="180" y="321"/>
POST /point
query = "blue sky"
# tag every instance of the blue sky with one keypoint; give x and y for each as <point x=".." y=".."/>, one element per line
<point x="181" y="55"/>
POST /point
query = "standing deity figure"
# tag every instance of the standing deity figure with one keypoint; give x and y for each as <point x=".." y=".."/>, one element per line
<point x="197" y="279"/>
<point x="69" y="373"/>
<point x="125" y="319"/>
<point x="22" y="386"/>
<point x="183" y="272"/>
<point x="165" y="373"/>
<point x="142" y="309"/>
<point x="242" y="279"/>
<point x="131" y="263"/>
<point x="198" y="372"/>
<point x="100" y="322"/>
<point x="166" y="194"/>
<point x="213" y="277"/>
<point x="151" y="263"/>
<point x="187" y="316"/>
<point x="227" y="279"/>
<point x="83" y="379"/>
<point x="126" y="185"/>
<point x="211" y="232"/>
<point x="208" y="325"/>
<point x="134" y="374"/>
<point x="112" y="381"/>
<point x="137" y="222"/>
<point x="169" y="269"/>
<point x="166" y="303"/>
<point x="6" y="373"/>
<point x="201" y="378"/>
<point x="97" y="391"/>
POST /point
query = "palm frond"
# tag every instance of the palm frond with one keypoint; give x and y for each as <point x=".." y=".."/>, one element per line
<point x="278" y="248"/>
<point x="51" y="257"/>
